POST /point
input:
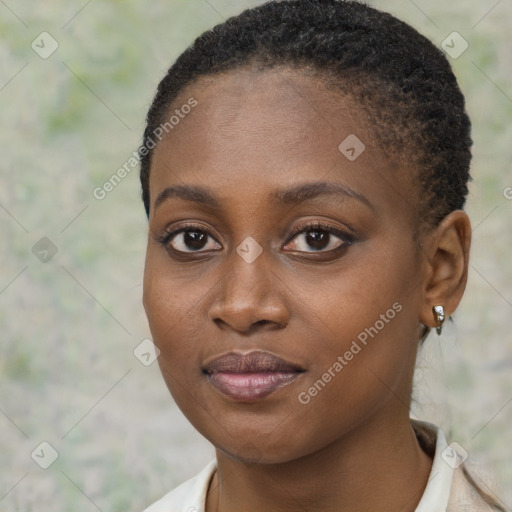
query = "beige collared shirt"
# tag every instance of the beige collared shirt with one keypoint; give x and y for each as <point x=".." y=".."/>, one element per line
<point x="448" y="489"/>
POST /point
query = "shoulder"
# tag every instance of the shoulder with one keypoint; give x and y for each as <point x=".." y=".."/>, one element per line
<point x="190" y="496"/>
<point x="464" y="495"/>
<point x="453" y="485"/>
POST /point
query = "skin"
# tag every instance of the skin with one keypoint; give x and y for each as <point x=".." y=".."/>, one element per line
<point x="352" y="446"/>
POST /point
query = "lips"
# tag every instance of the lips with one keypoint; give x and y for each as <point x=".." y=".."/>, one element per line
<point x="251" y="376"/>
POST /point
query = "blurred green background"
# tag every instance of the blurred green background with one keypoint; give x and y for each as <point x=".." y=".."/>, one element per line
<point x="69" y="325"/>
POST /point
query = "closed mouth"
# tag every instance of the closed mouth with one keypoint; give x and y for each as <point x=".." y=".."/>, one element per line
<point x="250" y="377"/>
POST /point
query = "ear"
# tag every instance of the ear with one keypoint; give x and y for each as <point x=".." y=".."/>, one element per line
<point x="445" y="265"/>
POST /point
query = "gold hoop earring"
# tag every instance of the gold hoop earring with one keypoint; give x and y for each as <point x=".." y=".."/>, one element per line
<point x="439" y="316"/>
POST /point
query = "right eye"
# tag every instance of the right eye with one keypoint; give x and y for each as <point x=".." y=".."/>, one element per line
<point x="189" y="239"/>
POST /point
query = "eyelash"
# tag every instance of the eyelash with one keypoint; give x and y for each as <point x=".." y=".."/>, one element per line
<point x="346" y="238"/>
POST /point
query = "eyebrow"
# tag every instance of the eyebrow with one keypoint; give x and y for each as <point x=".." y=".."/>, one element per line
<point x="290" y="195"/>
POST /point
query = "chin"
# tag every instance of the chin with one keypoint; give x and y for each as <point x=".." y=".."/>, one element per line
<point x="250" y="448"/>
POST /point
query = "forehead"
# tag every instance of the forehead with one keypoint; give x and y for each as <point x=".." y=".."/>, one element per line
<point x="249" y="112"/>
<point x="266" y="129"/>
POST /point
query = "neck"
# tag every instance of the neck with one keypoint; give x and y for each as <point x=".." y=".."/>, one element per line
<point x="378" y="466"/>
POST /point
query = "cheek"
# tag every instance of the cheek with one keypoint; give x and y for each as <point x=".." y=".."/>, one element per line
<point x="366" y="372"/>
<point x="166" y="309"/>
<point x="376" y="346"/>
<point x="171" y="315"/>
<point x="365" y="300"/>
<point x="175" y="305"/>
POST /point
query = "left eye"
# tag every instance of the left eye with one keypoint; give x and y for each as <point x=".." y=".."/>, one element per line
<point x="320" y="239"/>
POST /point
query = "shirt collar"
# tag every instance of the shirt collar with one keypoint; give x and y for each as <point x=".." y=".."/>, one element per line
<point x="437" y="492"/>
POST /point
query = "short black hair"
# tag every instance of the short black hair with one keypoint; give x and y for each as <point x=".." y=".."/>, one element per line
<point x="404" y="83"/>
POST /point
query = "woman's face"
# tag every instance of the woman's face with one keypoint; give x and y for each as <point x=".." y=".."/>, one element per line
<point x="249" y="172"/>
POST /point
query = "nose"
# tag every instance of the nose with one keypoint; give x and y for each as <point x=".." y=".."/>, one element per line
<point x="250" y="297"/>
